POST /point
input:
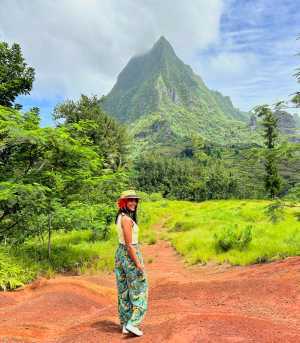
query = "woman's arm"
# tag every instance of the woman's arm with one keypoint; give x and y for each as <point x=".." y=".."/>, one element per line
<point x="127" y="230"/>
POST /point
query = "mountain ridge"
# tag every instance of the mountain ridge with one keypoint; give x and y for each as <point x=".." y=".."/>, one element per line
<point x="158" y="85"/>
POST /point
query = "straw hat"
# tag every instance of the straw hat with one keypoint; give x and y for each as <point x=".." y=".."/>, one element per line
<point x="130" y="193"/>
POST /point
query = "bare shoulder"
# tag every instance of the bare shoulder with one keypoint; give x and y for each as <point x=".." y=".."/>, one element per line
<point x="126" y="219"/>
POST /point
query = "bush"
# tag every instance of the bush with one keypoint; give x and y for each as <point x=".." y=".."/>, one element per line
<point x="155" y="196"/>
<point x="232" y="238"/>
<point x="150" y="196"/>
<point x="151" y="238"/>
<point x="181" y="226"/>
<point x="293" y="193"/>
<point x="12" y="273"/>
<point x="275" y="211"/>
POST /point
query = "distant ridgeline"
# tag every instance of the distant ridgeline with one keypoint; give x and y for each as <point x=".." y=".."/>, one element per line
<point x="163" y="101"/>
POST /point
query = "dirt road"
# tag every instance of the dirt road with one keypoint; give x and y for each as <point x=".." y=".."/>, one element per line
<point x="212" y="303"/>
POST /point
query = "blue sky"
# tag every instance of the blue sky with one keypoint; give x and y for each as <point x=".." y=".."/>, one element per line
<point x="245" y="49"/>
<point x="255" y="55"/>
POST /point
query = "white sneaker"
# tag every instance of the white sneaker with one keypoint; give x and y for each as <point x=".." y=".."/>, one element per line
<point x="134" y="330"/>
<point x="124" y="330"/>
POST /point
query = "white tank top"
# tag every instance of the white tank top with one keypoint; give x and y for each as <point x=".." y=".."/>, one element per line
<point x="135" y="230"/>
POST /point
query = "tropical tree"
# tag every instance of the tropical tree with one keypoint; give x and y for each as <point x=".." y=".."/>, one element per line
<point x="16" y="77"/>
<point x="51" y="179"/>
<point x="272" y="179"/>
<point x="104" y="132"/>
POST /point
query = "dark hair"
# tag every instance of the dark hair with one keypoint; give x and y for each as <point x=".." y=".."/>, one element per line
<point x="131" y="214"/>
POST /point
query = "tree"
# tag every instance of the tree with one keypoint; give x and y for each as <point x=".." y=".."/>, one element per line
<point x="51" y="179"/>
<point x="269" y="122"/>
<point x="16" y="77"/>
<point x="195" y="147"/>
<point x="99" y="128"/>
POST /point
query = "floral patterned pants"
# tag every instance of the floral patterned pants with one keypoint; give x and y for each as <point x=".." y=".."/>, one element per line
<point x="132" y="287"/>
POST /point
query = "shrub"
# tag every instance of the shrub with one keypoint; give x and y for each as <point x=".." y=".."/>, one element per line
<point x="150" y="196"/>
<point x="293" y="193"/>
<point x="144" y="196"/>
<point x="181" y="226"/>
<point x="275" y="211"/>
<point x="155" y="196"/>
<point x="12" y="273"/>
<point x="232" y="238"/>
<point x="151" y="240"/>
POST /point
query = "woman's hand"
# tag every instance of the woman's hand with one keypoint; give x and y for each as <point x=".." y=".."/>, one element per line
<point x="140" y="267"/>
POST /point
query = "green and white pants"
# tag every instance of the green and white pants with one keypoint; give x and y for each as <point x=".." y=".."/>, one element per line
<point x="132" y="286"/>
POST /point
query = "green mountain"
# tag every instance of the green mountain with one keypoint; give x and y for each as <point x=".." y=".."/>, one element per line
<point x="163" y="101"/>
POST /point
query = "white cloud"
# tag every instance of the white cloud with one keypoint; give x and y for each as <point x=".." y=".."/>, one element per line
<point x="79" y="46"/>
<point x="254" y="58"/>
<point x="244" y="49"/>
<point x="232" y="65"/>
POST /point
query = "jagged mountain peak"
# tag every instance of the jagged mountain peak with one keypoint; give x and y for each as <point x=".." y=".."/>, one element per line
<point x="162" y="44"/>
<point x="162" y="40"/>
<point x="159" y="82"/>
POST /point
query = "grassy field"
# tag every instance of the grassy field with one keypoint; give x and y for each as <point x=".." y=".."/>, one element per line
<point x="238" y="232"/>
<point x="235" y="231"/>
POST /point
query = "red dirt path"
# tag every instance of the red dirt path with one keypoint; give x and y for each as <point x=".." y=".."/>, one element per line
<point x="212" y="303"/>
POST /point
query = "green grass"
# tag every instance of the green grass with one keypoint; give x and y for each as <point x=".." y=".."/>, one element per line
<point x="75" y="252"/>
<point x="192" y="227"/>
<point x="13" y="272"/>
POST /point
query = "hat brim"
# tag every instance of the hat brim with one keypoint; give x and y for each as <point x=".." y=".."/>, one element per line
<point x="131" y="197"/>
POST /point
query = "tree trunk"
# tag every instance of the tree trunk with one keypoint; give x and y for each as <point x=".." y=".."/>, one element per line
<point x="49" y="235"/>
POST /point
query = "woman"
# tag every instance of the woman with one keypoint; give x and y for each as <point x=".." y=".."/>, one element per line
<point x="130" y="272"/>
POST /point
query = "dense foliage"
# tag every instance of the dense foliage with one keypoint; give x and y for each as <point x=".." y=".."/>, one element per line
<point x="184" y="178"/>
<point x="16" y="77"/>
<point x="56" y="178"/>
<point x="203" y="171"/>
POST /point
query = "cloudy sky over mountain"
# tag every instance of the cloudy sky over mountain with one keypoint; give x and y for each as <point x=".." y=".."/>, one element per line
<point x="244" y="48"/>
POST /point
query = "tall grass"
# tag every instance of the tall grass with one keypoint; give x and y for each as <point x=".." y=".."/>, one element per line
<point x="13" y="272"/>
<point x="195" y="229"/>
<point x="75" y="252"/>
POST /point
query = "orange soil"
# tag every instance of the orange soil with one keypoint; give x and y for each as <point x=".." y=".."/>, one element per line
<point x="211" y="303"/>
